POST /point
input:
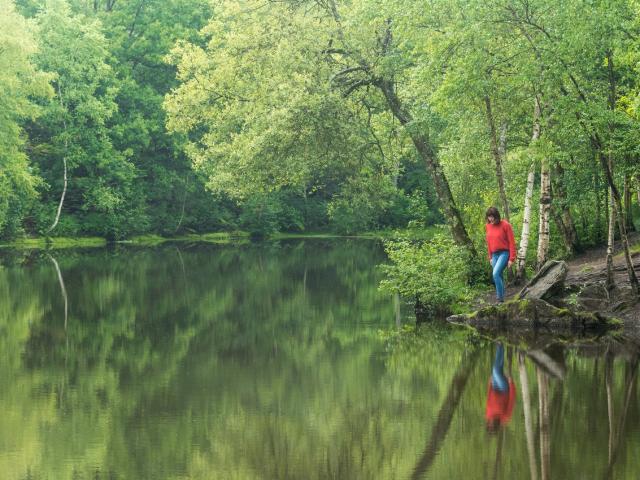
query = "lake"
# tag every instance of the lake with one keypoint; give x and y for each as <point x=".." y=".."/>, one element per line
<point x="283" y="360"/>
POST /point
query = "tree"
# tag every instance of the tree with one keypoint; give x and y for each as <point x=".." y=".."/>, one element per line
<point x="72" y="139"/>
<point x="20" y="83"/>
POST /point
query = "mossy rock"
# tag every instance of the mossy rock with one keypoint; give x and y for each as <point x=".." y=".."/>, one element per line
<point x="533" y="314"/>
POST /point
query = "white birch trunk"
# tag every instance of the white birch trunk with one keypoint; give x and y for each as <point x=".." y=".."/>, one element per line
<point x="610" y="242"/>
<point x="526" y="224"/>
<point x="528" y="196"/>
<point x="64" y="163"/>
<point x="545" y="213"/>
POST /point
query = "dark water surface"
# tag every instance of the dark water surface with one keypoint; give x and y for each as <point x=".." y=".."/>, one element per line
<point x="282" y="361"/>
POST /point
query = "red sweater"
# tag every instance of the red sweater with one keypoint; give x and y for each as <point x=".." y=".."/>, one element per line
<point x="500" y="237"/>
<point x="500" y="404"/>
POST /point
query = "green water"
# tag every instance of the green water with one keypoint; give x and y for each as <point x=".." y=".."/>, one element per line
<point x="277" y="361"/>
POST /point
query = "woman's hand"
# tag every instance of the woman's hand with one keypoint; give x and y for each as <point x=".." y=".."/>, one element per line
<point x="509" y="263"/>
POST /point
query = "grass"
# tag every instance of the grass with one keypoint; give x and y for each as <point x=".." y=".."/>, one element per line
<point x="234" y="237"/>
<point x="215" y="237"/>
<point x="633" y="248"/>
<point x="55" y="242"/>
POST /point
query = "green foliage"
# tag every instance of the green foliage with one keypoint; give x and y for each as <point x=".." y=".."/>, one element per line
<point x="260" y="215"/>
<point x="435" y="272"/>
<point x="20" y="83"/>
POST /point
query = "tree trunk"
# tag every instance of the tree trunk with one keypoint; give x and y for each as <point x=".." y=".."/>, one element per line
<point x="426" y="151"/>
<point x="498" y="158"/>
<point x="528" y="197"/>
<point x="610" y="244"/>
<point x="526" y="224"/>
<point x="64" y="164"/>
<point x="545" y="210"/>
<point x="627" y="195"/>
<point x="598" y="192"/>
<point x="562" y="213"/>
<point x="420" y="139"/>
<point x="607" y="166"/>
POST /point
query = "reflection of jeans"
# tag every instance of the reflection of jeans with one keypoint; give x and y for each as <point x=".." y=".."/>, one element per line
<point x="499" y="261"/>
<point x="498" y="380"/>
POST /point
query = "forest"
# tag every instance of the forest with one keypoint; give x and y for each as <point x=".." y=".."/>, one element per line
<point x="128" y="117"/>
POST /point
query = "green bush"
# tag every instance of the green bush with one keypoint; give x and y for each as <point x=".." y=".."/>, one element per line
<point x="260" y="215"/>
<point x="435" y="273"/>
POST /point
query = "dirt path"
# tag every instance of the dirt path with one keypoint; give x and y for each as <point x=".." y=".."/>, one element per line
<point x="589" y="268"/>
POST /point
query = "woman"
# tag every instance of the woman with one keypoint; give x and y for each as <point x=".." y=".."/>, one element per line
<point x="501" y="246"/>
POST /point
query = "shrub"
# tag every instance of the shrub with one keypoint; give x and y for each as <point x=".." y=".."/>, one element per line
<point x="435" y="273"/>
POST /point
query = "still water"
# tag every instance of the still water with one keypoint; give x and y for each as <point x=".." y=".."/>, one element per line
<point x="284" y="361"/>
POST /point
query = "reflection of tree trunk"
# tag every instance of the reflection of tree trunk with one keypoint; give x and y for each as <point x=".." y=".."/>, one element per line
<point x="62" y="289"/>
<point x="445" y="415"/>
<point x="396" y="307"/>
<point x="545" y="444"/>
<point x="66" y="315"/>
<point x="528" y="426"/>
<point x="619" y="430"/>
<point x="608" y="378"/>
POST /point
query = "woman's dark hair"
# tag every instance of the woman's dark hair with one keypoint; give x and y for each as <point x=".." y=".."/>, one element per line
<point x="492" y="212"/>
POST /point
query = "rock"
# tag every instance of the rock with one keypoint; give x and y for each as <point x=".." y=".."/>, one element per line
<point x="593" y="297"/>
<point x="547" y="282"/>
<point x="533" y="314"/>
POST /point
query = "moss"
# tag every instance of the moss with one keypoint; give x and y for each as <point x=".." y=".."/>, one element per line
<point x="586" y="268"/>
<point x="615" y="322"/>
<point x="635" y="248"/>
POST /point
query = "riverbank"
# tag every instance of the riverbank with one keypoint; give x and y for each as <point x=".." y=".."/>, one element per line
<point x="45" y="243"/>
<point x="584" y="287"/>
<point x="233" y="237"/>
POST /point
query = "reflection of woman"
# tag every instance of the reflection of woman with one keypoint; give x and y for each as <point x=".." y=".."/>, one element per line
<point x="501" y="246"/>
<point x="501" y="395"/>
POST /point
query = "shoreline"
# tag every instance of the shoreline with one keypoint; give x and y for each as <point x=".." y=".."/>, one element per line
<point x="233" y="237"/>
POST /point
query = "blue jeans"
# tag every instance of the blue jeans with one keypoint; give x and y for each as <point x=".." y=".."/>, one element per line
<point x="499" y="261"/>
<point x="498" y="380"/>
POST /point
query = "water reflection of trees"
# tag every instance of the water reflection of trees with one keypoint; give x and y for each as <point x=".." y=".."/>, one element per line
<point x="144" y="339"/>
<point x="261" y="363"/>
<point x="562" y="400"/>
